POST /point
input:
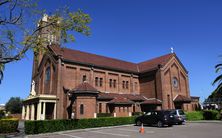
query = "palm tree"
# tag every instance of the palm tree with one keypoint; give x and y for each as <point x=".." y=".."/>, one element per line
<point x="218" y="80"/>
<point x="1" y="72"/>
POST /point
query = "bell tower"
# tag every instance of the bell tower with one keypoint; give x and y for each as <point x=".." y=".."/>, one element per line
<point x="49" y="34"/>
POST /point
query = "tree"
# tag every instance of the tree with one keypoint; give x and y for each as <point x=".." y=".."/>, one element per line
<point x="218" y="79"/>
<point x="14" y="105"/>
<point x="2" y="114"/>
<point x="20" y="18"/>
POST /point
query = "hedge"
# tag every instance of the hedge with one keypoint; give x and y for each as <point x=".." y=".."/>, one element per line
<point x="8" y="125"/>
<point x="45" y="126"/>
<point x="193" y="116"/>
<point x="203" y="115"/>
<point x="211" y="115"/>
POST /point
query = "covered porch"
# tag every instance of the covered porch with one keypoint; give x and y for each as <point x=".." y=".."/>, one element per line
<point x="151" y="104"/>
<point x="180" y="102"/>
<point x="40" y="107"/>
<point x="120" y="107"/>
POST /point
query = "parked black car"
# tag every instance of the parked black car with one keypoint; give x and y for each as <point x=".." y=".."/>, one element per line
<point x="179" y="116"/>
<point x="159" y="118"/>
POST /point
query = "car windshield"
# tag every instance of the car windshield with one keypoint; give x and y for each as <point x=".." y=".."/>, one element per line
<point x="181" y="112"/>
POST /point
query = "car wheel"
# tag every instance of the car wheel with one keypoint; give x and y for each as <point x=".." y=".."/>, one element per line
<point x="159" y="124"/>
<point x="180" y="123"/>
<point x="138" y="123"/>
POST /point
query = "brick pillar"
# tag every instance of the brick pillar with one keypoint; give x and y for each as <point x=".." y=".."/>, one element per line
<point x="119" y="83"/>
<point x="59" y="95"/>
<point x="78" y="81"/>
<point x="131" y="83"/>
<point x="91" y="76"/>
<point x="106" y="81"/>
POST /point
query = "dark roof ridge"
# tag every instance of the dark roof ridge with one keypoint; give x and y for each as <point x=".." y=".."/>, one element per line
<point x="98" y="55"/>
<point x="157" y="58"/>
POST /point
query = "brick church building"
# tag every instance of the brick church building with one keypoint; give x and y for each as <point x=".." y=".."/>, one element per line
<point x="68" y="83"/>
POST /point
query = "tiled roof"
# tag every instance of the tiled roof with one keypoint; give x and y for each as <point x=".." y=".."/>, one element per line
<point x="110" y="96"/>
<point x="182" y="99"/>
<point x="152" y="101"/>
<point x="154" y="63"/>
<point x="84" y="88"/>
<point x="95" y="60"/>
<point x="107" y="62"/>
<point x="120" y="100"/>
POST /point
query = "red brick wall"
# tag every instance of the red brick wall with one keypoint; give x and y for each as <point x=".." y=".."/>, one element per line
<point x="147" y="85"/>
<point x="73" y="78"/>
<point x="89" y="106"/>
<point x="70" y="76"/>
<point x="174" y="69"/>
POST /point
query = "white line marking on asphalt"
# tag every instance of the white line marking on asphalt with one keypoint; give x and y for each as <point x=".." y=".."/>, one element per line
<point x="69" y="135"/>
<point x="122" y="135"/>
<point x="130" y="130"/>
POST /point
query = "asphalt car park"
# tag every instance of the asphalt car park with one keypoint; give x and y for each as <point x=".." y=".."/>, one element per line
<point x="189" y="130"/>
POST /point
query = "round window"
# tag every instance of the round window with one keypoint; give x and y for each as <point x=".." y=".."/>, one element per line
<point x="175" y="82"/>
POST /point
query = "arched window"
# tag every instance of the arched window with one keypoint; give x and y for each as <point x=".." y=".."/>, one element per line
<point x="100" y="107"/>
<point x="110" y="83"/>
<point x="123" y="84"/>
<point x="83" y="78"/>
<point x="96" y="81"/>
<point x="47" y="74"/>
<point x="81" y="109"/>
<point x="101" y="82"/>
<point x="114" y="83"/>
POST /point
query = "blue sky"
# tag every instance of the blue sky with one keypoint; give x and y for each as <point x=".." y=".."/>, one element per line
<point x="137" y="30"/>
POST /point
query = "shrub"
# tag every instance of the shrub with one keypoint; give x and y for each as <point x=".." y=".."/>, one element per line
<point x="8" y="125"/>
<point x="203" y="115"/>
<point x="104" y="115"/>
<point x="211" y="115"/>
<point x="44" y="126"/>
<point x="196" y="115"/>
